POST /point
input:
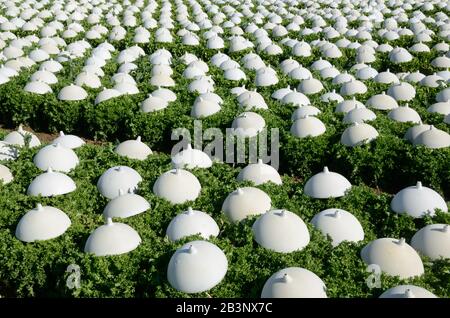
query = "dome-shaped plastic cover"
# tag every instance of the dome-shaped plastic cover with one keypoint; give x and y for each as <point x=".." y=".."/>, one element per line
<point x="126" y="205"/>
<point x="68" y="141"/>
<point x="57" y="157"/>
<point x="190" y="158"/>
<point x="50" y="184"/>
<point x="72" y="93"/>
<point x="340" y="225"/>
<point x="394" y="257"/>
<point x="248" y="124"/>
<point x="281" y="231"/>
<point x="304" y="111"/>
<point x="414" y="131"/>
<point x="359" y="115"/>
<point x="177" y="186"/>
<point x="382" y="102"/>
<point x="36" y="87"/>
<point x="440" y="108"/>
<point x="252" y="100"/>
<point x="42" y="223"/>
<point x="197" y="267"/>
<point x="433" y="241"/>
<point x="347" y="105"/>
<point x="133" y="149"/>
<point x="204" y="107"/>
<point x="295" y="98"/>
<point x="402" y="91"/>
<point x="259" y="173"/>
<point x="245" y="202"/>
<point x="308" y="126"/>
<point x="112" y="239"/>
<point x="165" y="94"/>
<point x="404" y="114"/>
<point x="192" y="222"/>
<point x="433" y="138"/>
<point x="20" y="136"/>
<point x="118" y="178"/>
<point x="310" y="86"/>
<point x="358" y="134"/>
<point x="294" y="282"/>
<point x="107" y="94"/>
<point x="327" y="184"/>
<point x="407" y="291"/>
<point x="418" y="201"/>
<point x="353" y="87"/>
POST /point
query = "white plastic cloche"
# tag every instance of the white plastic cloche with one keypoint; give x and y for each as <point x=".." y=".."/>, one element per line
<point x="418" y="201"/>
<point x="382" y="102"/>
<point x="347" y="105"/>
<point x="394" y="257"/>
<point x="433" y="241"/>
<point x="442" y="108"/>
<point x="281" y="231"/>
<point x="308" y="126"/>
<point x="414" y="131"/>
<point x="402" y="91"/>
<point x="112" y="239"/>
<point x="359" y="115"/>
<point x="327" y="184"/>
<point x="165" y="93"/>
<point x="42" y="223"/>
<point x="191" y="158"/>
<point x="294" y="282"/>
<point x="310" y="86"/>
<point x="353" y="87"/>
<point x="204" y="107"/>
<point x="433" y="138"/>
<point x="404" y="114"/>
<point x="56" y="156"/>
<point x="36" y="87"/>
<point x="295" y="98"/>
<point x="196" y="267"/>
<point x="18" y="138"/>
<point x="133" y="149"/>
<point x="358" y="134"/>
<point x="251" y="100"/>
<point x="118" y="178"/>
<point x="126" y="205"/>
<point x="50" y="184"/>
<point x="386" y="77"/>
<point x="72" y="93"/>
<point x="191" y="222"/>
<point x="68" y="141"/>
<point x="106" y="94"/>
<point x="245" y="202"/>
<point x="177" y="186"/>
<point x="259" y="173"/>
<point x="248" y="124"/>
<point x="5" y="174"/>
<point x="304" y="111"/>
<point x="407" y="291"/>
<point x="339" y="224"/>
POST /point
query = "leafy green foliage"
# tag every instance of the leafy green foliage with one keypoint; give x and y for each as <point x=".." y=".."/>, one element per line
<point x="39" y="269"/>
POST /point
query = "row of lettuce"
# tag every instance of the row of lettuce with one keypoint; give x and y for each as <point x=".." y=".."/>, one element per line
<point x="41" y="268"/>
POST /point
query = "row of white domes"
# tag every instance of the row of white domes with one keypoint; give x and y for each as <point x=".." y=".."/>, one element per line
<point x="180" y="185"/>
<point x="270" y="229"/>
